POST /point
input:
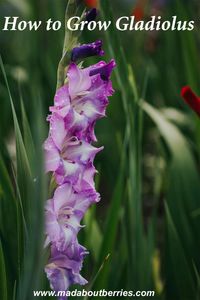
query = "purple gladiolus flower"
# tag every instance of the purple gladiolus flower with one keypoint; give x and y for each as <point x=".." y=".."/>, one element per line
<point x="69" y="155"/>
<point x="68" y="159"/>
<point x="91" y="14"/>
<point x="63" y="269"/>
<point x="87" y="50"/>
<point x="64" y="213"/>
<point x="80" y="102"/>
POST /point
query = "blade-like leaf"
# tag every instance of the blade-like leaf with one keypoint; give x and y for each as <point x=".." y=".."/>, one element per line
<point x="3" y="277"/>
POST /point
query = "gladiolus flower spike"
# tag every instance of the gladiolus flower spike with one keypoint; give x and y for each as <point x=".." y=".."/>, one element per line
<point x="69" y="155"/>
<point x="191" y="99"/>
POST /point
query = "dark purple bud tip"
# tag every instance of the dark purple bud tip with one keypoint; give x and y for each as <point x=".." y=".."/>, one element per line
<point x="104" y="71"/>
<point x="87" y="50"/>
<point x="91" y="14"/>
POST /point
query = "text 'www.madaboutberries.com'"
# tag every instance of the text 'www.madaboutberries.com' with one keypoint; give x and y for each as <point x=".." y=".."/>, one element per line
<point x="100" y="293"/>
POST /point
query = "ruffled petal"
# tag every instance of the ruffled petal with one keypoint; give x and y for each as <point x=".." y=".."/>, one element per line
<point x="62" y="196"/>
<point x="82" y="152"/>
<point x="52" y="156"/>
<point x="62" y="96"/>
<point x="79" y="81"/>
<point x="63" y="268"/>
<point x="57" y="130"/>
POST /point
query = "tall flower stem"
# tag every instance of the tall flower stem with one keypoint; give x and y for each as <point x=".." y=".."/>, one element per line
<point x="70" y="41"/>
<point x="80" y="100"/>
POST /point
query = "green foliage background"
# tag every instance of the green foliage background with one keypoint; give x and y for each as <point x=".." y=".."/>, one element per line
<point x="144" y="234"/>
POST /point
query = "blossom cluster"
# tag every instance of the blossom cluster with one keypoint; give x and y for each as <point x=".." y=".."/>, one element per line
<point x="69" y="153"/>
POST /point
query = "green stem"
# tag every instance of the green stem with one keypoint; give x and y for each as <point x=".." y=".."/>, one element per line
<point x="70" y="41"/>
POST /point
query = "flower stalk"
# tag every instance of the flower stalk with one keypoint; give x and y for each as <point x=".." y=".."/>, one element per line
<point x="79" y="102"/>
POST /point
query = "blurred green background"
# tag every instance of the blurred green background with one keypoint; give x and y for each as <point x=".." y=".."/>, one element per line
<point x="148" y="220"/>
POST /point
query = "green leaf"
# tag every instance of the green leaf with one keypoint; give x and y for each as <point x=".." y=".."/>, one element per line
<point x="3" y="277"/>
<point x="9" y="230"/>
<point x="92" y="232"/>
<point x="182" y="201"/>
<point x="23" y="166"/>
<point x="28" y="139"/>
<point x="112" y="220"/>
<point x="179" y="268"/>
<point x="34" y="256"/>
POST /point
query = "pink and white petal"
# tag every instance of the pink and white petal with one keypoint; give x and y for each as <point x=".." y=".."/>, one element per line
<point x="79" y="81"/>
<point x="90" y="134"/>
<point x="83" y="152"/>
<point x="52" y="156"/>
<point x="62" y="96"/>
<point x="86" y="179"/>
<point x="67" y="239"/>
<point x="74" y="222"/>
<point x="53" y="228"/>
<point x="92" y="110"/>
<point x="67" y="172"/>
<point x="70" y="168"/>
<point x="57" y="130"/>
<point x="79" y="120"/>
<point x="83" y="204"/>
<point x="61" y="111"/>
<point x="79" y="279"/>
<point x="62" y="196"/>
<point x="93" y="104"/>
<point x="75" y="123"/>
